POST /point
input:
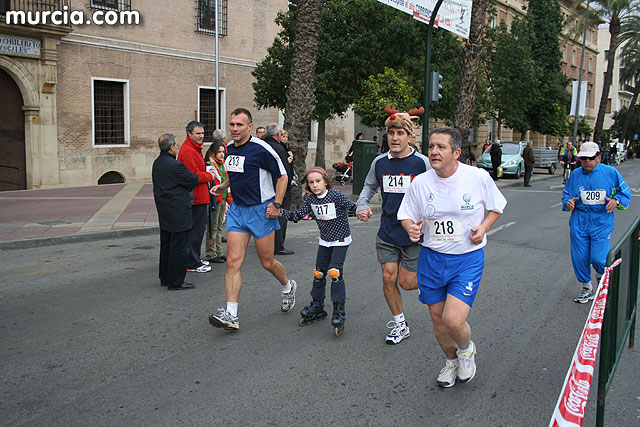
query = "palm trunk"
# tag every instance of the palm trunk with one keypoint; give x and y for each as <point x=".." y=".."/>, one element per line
<point x="320" y="144"/>
<point x="627" y="119"/>
<point x="469" y="65"/>
<point x="614" y="31"/>
<point x="301" y="99"/>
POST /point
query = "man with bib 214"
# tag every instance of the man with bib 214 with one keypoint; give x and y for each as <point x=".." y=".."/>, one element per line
<point x="392" y="172"/>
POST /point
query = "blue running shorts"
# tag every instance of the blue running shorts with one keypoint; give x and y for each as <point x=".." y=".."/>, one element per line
<point x="455" y="274"/>
<point x="252" y="220"/>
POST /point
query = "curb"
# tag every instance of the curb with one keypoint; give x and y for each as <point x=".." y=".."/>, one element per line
<point x="77" y="238"/>
<point x="147" y="231"/>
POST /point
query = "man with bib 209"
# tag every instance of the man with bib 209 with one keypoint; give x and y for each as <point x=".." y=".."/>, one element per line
<point x="258" y="181"/>
<point x="448" y="204"/>
<point x="592" y="193"/>
<point x="392" y="172"/>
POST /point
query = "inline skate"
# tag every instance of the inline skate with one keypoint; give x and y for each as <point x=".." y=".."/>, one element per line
<point x="338" y="317"/>
<point x="311" y="313"/>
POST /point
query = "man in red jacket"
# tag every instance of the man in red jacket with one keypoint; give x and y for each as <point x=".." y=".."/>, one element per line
<point x="191" y="155"/>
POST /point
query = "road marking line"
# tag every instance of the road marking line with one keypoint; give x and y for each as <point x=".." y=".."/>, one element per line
<point x="556" y="205"/>
<point x="503" y="226"/>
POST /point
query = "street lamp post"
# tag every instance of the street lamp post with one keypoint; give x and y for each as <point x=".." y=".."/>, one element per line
<point x="584" y="41"/>
<point x="427" y="78"/>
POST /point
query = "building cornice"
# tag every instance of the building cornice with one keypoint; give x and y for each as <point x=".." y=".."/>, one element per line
<point x="149" y="49"/>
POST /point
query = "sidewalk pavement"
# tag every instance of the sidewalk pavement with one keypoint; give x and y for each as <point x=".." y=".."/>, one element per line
<point x="33" y="218"/>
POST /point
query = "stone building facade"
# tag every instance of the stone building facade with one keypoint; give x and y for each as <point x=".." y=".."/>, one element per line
<point x="97" y="97"/>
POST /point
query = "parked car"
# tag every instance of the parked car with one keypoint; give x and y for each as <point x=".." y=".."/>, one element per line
<point x="512" y="161"/>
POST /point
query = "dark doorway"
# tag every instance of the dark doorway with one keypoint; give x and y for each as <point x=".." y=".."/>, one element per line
<point x="111" y="178"/>
<point x="13" y="171"/>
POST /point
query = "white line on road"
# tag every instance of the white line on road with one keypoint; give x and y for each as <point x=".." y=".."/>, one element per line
<point x="556" y="205"/>
<point x="537" y="191"/>
<point x="503" y="226"/>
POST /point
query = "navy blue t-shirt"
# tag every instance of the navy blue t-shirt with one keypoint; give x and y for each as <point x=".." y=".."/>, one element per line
<point x="393" y="177"/>
<point x="253" y="168"/>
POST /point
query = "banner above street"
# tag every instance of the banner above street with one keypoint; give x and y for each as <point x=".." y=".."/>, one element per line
<point x="453" y="15"/>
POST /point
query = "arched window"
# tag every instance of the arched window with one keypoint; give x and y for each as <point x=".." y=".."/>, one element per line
<point x="111" y="177"/>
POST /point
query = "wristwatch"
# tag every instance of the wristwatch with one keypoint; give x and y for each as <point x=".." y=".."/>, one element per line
<point x="277" y="205"/>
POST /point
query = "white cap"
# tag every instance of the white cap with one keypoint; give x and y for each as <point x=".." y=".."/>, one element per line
<point x="589" y="149"/>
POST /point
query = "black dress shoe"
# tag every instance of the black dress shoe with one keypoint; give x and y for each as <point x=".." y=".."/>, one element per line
<point x="217" y="260"/>
<point x="164" y="284"/>
<point x="224" y="240"/>
<point x="184" y="286"/>
<point x="527" y="185"/>
<point x="223" y="257"/>
<point x="285" y="252"/>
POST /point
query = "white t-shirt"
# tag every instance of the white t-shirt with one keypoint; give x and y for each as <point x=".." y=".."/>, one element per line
<point x="451" y="206"/>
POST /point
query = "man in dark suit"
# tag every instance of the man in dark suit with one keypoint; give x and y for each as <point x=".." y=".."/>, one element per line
<point x="172" y="191"/>
<point x="496" y="158"/>
<point x="529" y="162"/>
<point x="273" y="139"/>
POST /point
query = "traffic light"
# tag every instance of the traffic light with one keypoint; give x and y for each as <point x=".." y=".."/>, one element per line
<point x="436" y="87"/>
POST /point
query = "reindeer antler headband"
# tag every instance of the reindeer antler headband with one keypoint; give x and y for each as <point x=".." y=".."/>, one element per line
<point x="404" y="120"/>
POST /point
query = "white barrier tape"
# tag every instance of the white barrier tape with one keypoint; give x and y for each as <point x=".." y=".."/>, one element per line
<point x="569" y="410"/>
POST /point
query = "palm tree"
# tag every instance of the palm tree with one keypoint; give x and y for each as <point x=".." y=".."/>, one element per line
<point x="630" y="60"/>
<point x="470" y="64"/>
<point x="301" y="99"/>
<point x="616" y="13"/>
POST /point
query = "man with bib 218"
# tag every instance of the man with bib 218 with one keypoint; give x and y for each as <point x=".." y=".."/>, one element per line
<point x="447" y="204"/>
<point x="592" y="193"/>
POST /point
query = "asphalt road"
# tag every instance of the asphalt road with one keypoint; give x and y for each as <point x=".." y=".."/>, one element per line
<point x="90" y="338"/>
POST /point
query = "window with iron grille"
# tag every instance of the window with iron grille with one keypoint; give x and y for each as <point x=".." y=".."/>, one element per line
<point x="206" y="18"/>
<point x="110" y="112"/>
<point x="111" y="4"/>
<point x="208" y="111"/>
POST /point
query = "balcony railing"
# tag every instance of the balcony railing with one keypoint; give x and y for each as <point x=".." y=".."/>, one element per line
<point x="33" y="6"/>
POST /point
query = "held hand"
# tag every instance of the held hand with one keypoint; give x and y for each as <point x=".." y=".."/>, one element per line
<point x="571" y="204"/>
<point x="364" y="214"/>
<point x="272" y="211"/>
<point x="215" y="190"/>
<point x="415" y="231"/>
<point x="477" y="234"/>
<point x="611" y="204"/>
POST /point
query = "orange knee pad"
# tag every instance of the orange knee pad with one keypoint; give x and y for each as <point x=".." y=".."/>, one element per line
<point x="317" y="274"/>
<point x="334" y="273"/>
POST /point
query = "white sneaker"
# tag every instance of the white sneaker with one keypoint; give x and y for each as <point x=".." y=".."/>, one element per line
<point x="202" y="269"/>
<point x="448" y="374"/>
<point x="467" y="363"/>
<point x="584" y="296"/>
<point x="289" y="299"/>
<point x="204" y="262"/>
<point x="399" y="331"/>
<point x="223" y="319"/>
